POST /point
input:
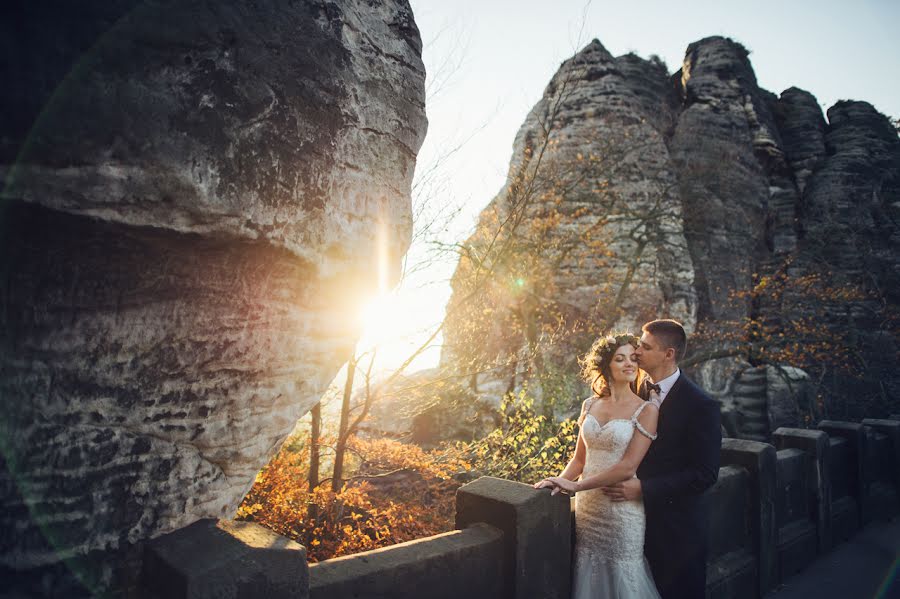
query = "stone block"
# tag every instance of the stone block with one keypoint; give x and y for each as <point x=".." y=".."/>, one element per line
<point x="462" y="563"/>
<point x="855" y="436"/>
<point x="729" y="528"/>
<point x="224" y="559"/>
<point x="797" y="543"/>
<point x="891" y="429"/>
<point x="537" y="534"/>
<point x="791" y="487"/>
<point x="844" y="501"/>
<point x="815" y="444"/>
<point x="760" y="462"/>
<point x="881" y="472"/>
<point x="731" y="567"/>
<point x="733" y="575"/>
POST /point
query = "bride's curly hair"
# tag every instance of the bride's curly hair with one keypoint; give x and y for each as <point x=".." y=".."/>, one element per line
<point x="595" y="364"/>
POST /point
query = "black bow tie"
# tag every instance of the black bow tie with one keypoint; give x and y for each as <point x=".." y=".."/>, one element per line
<point x="653" y="387"/>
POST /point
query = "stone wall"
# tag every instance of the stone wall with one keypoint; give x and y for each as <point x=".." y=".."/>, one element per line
<point x="192" y="197"/>
<point x="774" y="510"/>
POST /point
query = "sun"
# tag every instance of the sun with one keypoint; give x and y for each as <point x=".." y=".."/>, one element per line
<point x="401" y="323"/>
<point x="396" y="325"/>
<point x="381" y="320"/>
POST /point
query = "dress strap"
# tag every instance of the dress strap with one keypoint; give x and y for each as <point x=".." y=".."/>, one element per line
<point x="588" y="403"/>
<point x="638" y="425"/>
<point x="585" y="408"/>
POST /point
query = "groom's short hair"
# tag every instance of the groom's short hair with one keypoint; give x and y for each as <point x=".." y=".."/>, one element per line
<point x="670" y="333"/>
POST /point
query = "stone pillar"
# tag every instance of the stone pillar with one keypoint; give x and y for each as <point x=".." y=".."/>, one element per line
<point x="815" y="444"/>
<point x="891" y="428"/>
<point x="759" y="461"/>
<point x="883" y="462"/>
<point x="225" y="560"/>
<point x="731" y="569"/>
<point x="855" y="436"/>
<point x="537" y="534"/>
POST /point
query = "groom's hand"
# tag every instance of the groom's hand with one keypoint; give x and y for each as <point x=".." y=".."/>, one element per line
<point x="630" y="490"/>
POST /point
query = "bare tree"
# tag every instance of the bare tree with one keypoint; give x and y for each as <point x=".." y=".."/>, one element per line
<point x="315" y="434"/>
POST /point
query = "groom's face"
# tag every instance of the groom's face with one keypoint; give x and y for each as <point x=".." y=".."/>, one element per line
<point x="649" y="353"/>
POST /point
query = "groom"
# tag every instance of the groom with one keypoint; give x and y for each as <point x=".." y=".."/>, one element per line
<point x="681" y="464"/>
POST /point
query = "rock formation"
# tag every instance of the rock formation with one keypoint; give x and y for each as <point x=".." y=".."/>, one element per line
<point x="719" y="204"/>
<point x="582" y="201"/>
<point x="192" y="194"/>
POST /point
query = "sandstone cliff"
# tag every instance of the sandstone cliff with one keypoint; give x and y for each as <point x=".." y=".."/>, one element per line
<point x="192" y="193"/>
<point x="703" y="197"/>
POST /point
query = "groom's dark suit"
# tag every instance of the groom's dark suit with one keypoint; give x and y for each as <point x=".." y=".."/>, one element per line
<point x="681" y="464"/>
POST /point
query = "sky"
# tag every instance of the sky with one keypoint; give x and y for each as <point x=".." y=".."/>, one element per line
<point x="488" y="62"/>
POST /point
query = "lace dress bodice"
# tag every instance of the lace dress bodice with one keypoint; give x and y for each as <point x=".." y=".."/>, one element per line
<point x="609" y="536"/>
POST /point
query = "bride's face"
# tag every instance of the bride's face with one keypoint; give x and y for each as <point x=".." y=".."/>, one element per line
<point x="623" y="366"/>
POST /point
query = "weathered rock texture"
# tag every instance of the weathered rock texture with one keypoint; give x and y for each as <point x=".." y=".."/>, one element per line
<point x="723" y="186"/>
<point x="603" y="167"/>
<point x="192" y="196"/>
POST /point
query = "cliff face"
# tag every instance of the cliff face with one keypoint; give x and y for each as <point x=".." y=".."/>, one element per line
<point x="192" y="194"/>
<point x="717" y="203"/>
<point x="573" y="204"/>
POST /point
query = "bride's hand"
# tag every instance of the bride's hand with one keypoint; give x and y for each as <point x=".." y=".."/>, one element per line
<point x="557" y="484"/>
<point x="548" y="483"/>
<point x="563" y="484"/>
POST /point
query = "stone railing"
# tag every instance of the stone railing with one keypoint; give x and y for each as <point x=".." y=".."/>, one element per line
<point x="775" y="509"/>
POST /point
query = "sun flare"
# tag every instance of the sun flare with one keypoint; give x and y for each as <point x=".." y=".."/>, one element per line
<point x="394" y="324"/>
<point x="381" y="319"/>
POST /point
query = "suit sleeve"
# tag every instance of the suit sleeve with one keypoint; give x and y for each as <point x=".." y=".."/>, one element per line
<point x="702" y="469"/>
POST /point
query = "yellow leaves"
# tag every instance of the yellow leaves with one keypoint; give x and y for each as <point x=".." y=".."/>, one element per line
<point x="526" y="446"/>
<point x="244" y="512"/>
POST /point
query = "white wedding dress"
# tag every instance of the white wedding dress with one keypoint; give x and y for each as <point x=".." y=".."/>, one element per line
<point x="609" y="536"/>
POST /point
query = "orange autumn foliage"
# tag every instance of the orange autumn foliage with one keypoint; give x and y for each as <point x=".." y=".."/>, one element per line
<point x="399" y="493"/>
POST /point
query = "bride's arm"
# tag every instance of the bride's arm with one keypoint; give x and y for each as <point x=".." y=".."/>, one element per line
<point x="572" y="470"/>
<point x="575" y="466"/>
<point x="627" y="466"/>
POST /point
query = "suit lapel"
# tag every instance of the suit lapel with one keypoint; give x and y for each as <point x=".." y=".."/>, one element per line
<point x="671" y="397"/>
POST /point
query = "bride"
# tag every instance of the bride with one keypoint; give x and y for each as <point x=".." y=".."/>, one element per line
<point x="617" y="428"/>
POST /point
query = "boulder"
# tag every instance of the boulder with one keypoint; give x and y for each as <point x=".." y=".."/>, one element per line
<point x="192" y="197"/>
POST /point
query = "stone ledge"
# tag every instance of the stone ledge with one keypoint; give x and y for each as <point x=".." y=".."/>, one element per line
<point x="855" y="436"/>
<point x="537" y="534"/>
<point x="815" y="444"/>
<point x="434" y="564"/>
<point x="760" y="460"/>
<point x="224" y="559"/>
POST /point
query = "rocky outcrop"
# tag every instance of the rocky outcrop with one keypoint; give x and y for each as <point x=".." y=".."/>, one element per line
<point x="723" y="125"/>
<point x="802" y="128"/>
<point x="580" y="192"/>
<point x="192" y="194"/>
<point x="850" y="226"/>
<point x="777" y="229"/>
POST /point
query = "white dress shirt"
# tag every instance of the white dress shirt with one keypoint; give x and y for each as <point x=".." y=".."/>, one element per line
<point x="666" y="385"/>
